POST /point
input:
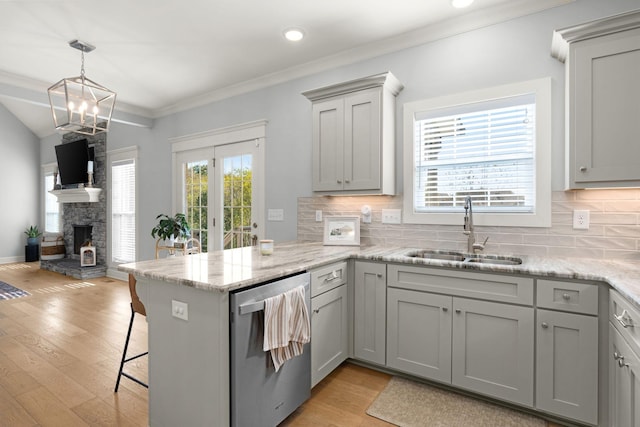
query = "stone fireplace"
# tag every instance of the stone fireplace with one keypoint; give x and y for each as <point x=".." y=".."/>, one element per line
<point x="85" y="220"/>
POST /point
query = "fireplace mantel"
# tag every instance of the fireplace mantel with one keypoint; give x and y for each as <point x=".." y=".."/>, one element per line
<point x="77" y="195"/>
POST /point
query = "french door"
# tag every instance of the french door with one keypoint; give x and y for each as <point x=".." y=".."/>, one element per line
<point x="238" y="198"/>
<point x="220" y="189"/>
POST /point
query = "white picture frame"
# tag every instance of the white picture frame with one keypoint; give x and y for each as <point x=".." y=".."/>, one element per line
<point x="342" y="230"/>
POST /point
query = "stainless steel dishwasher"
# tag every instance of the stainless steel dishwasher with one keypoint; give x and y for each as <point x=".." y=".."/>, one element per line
<point x="259" y="395"/>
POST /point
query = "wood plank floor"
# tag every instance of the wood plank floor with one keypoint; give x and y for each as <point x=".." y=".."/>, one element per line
<point x="60" y="350"/>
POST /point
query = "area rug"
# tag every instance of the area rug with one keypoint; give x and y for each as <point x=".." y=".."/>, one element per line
<point x="408" y="403"/>
<point x="10" y="292"/>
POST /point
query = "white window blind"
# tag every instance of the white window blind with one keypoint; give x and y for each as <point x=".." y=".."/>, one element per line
<point x="485" y="150"/>
<point x="123" y="203"/>
<point x="51" y="207"/>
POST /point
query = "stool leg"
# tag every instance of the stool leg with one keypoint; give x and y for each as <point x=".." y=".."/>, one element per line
<point x="126" y="345"/>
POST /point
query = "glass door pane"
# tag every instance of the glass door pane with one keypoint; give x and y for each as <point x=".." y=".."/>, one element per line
<point x="196" y="182"/>
<point x="237" y="201"/>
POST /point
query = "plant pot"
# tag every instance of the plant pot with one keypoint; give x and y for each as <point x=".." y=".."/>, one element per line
<point x="32" y="241"/>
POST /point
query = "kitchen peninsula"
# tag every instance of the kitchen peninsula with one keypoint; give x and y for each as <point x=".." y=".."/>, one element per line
<point x="189" y="359"/>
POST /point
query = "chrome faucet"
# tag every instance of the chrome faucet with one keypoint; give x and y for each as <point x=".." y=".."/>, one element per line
<point x="472" y="246"/>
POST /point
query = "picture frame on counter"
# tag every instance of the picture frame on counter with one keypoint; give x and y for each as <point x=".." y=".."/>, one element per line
<point x="342" y="230"/>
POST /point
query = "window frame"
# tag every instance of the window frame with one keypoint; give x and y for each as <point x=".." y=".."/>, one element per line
<point x="129" y="153"/>
<point x="541" y="217"/>
<point x="49" y="169"/>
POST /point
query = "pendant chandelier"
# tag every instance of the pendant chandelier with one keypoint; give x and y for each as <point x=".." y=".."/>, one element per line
<point x="81" y="105"/>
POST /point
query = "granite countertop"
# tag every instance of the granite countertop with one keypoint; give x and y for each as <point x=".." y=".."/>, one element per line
<point x="238" y="268"/>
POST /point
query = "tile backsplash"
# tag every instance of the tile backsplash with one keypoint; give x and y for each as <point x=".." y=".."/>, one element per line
<point x="614" y="231"/>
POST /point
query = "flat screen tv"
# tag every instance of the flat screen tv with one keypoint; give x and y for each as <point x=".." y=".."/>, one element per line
<point x="72" y="162"/>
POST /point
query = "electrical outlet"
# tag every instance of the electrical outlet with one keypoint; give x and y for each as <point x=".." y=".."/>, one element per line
<point x="318" y="216"/>
<point x="180" y="309"/>
<point x="580" y="220"/>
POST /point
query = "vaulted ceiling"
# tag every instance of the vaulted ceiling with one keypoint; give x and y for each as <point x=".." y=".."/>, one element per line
<point x="170" y="55"/>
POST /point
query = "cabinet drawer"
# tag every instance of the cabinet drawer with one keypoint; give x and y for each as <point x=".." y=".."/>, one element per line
<point x="326" y="278"/>
<point x="568" y="296"/>
<point x="626" y="318"/>
<point x="493" y="287"/>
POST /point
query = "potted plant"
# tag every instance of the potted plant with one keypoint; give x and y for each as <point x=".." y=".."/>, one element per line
<point x="171" y="228"/>
<point x="32" y="235"/>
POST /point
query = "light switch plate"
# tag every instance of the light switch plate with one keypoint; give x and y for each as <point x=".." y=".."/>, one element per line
<point x="275" y="214"/>
<point x="318" y="216"/>
<point x="391" y="216"/>
<point x="180" y="309"/>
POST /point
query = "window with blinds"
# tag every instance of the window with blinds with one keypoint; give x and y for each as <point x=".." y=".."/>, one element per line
<point x="51" y="206"/>
<point x="123" y="211"/>
<point x="491" y="144"/>
<point x="485" y="150"/>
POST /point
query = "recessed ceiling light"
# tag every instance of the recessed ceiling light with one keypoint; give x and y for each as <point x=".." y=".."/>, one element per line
<point x="460" y="4"/>
<point x="294" y="34"/>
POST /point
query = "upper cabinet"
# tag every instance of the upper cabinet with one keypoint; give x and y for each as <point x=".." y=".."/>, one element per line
<point x="602" y="61"/>
<point x="354" y="136"/>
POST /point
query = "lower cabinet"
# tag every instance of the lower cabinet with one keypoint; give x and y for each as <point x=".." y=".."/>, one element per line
<point x="478" y="345"/>
<point x="419" y="333"/>
<point x="330" y="331"/>
<point x="624" y="362"/>
<point x="624" y="382"/>
<point x="370" y="306"/>
<point x="493" y="349"/>
<point x="567" y="365"/>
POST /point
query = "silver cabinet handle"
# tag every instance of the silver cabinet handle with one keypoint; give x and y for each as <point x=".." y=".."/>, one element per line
<point x="458" y="310"/>
<point x="347" y="181"/>
<point x="621" y="362"/>
<point x="566" y="297"/>
<point x="379" y="275"/>
<point x="621" y="319"/>
<point x="316" y="311"/>
<point x="339" y="181"/>
<point x="544" y="325"/>
<point x="583" y="169"/>
<point x="445" y="309"/>
<point x="332" y="277"/>
<point x="617" y="355"/>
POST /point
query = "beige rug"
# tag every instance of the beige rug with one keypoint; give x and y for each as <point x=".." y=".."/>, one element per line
<point x="410" y="404"/>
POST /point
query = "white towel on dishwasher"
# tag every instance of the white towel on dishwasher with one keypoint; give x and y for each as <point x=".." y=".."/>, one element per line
<point x="286" y="326"/>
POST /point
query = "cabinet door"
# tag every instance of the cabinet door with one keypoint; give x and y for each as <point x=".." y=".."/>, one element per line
<point x="328" y="145"/>
<point x="604" y="93"/>
<point x="329" y="332"/>
<point x="362" y="141"/>
<point x="369" y="328"/>
<point x="624" y="382"/>
<point x="419" y="333"/>
<point x="567" y="365"/>
<point x="493" y="349"/>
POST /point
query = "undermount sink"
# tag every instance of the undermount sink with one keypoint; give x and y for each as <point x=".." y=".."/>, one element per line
<point x="439" y="255"/>
<point x="492" y="260"/>
<point x="466" y="258"/>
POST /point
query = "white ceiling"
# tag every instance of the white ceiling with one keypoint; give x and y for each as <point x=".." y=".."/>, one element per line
<point x="169" y="55"/>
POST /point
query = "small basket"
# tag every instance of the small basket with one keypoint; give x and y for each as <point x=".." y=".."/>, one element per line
<point x="52" y="249"/>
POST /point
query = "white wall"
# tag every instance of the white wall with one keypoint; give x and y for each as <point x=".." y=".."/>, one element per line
<point x="19" y="183"/>
<point x="512" y="51"/>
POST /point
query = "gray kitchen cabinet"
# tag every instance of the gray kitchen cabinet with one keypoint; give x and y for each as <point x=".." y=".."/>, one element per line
<point x="353" y="136"/>
<point x="419" y="333"/>
<point x="329" y="331"/>
<point x="602" y="67"/>
<point x="493" y="347"/>
<point x="567" y="364"/>
<point x="369" y="328"/>
<point x="624" y="382"/>
<point x="624" y="363"/>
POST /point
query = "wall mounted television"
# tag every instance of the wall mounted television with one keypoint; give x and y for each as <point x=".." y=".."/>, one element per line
<point x="72" y="162"/>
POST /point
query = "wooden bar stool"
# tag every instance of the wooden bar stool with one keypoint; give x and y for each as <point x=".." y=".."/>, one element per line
<point x="136" y="307"/>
